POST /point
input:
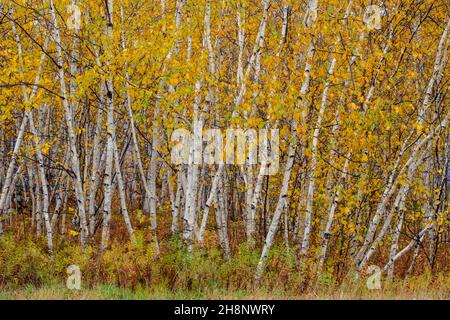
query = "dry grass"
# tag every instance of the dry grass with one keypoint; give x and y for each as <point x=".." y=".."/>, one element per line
<point x="130" y="271"/>
<point x="410" y="289"/>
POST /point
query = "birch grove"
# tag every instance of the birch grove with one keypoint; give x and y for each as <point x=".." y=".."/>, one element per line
<point x="302" y="128"/>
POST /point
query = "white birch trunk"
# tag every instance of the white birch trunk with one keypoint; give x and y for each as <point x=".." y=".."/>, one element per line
<point x="122" y="194"/>
<point x="79" y="189"/>
<point x="96" y="157"/>
<point x="107" y="183"/>
<point x="311" y="178"/>
<point x="333" y="206"/>
<point x="209" y="202"/>
<point x="281" y="206"/>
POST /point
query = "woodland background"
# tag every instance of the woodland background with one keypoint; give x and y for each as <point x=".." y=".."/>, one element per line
<point x="91" y="92"/>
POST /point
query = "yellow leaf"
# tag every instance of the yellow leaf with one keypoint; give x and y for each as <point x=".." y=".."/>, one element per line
<point x="73" y="233"/>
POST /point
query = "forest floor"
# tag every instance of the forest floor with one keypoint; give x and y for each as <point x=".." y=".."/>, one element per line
<point x="105" y="292"/>
<point x="130" y="271"/>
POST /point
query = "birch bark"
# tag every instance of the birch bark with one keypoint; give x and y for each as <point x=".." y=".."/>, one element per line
<point x="79" y="188"/>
